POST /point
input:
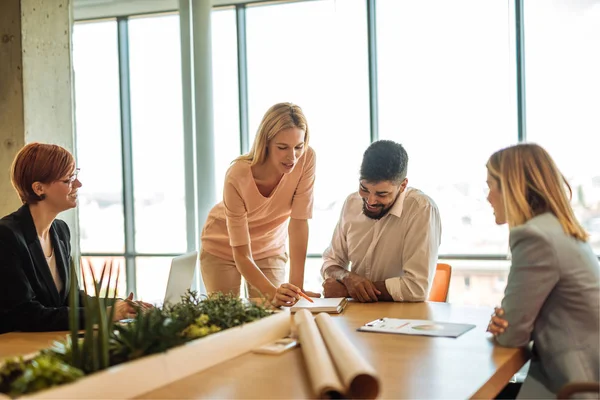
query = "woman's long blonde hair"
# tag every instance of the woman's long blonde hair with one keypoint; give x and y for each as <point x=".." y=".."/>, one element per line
<point x="531" y="184"/>
<point x="277" y="118"/>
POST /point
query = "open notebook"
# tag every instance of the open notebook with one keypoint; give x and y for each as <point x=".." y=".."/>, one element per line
<point x="334" y="305"/>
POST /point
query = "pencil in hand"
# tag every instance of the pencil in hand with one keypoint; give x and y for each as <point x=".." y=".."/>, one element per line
<point x="305" y="296"/>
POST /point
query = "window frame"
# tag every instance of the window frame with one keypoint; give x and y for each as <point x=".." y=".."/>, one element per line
<point x="130" y="253"/>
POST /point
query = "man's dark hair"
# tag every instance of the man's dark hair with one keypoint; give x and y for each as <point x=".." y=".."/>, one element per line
<point x="384" y="160"/>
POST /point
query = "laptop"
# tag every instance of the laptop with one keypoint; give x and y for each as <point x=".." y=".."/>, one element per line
<point x="181" y="277"/>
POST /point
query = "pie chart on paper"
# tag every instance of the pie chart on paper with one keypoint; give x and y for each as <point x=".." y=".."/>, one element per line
<point x="418" y="327"/>
<point x="428" y="327"/>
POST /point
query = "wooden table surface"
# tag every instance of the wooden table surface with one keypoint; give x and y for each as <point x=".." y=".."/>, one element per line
<point x="21" y="343"/>
<point x="470" y="366"/>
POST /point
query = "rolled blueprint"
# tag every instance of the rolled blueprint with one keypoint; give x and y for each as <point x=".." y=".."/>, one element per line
<point x="322" y="373"/>
<point x="359" y="378"/>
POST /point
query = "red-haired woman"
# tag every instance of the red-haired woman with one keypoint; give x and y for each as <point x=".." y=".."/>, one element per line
<point x="35" y="246"/>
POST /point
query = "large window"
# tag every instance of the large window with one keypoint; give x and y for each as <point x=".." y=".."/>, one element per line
<point x="562" y="44"/>
<point x="101" y="214"/>
<point x="225" y="93"/>
<point x="157" y="148"/>
<point x="313" y="54"/>
<point x="97" y="113"/>
<point x="137" y="61"/>
<point x="157" y="134"/>
<point x="445" y="94"/>
<point x="444" y="82"/>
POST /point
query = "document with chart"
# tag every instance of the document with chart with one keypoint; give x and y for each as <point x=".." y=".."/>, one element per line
<point x="416" y="327"/>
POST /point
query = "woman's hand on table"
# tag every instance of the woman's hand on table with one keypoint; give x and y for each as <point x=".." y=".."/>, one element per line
<point x="497" y="324"/>
<point x="286" y="295"/>
<point x="129" y="308"/>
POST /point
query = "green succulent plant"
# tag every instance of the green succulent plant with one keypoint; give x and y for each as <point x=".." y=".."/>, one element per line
<point x="223" y="310"/>
<point x="151" y="332"/>
<point x="92" y="353"/>
<point x="157" y="330"/>
<point x="200" y="328"/>
<point x="11" y="370"/>
<point x="68" y="360"/>
<point x="105" y="344"/>
<point x="43" y="372"/>
<point x="18" y="376"/>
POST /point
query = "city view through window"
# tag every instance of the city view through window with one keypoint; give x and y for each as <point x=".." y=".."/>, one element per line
<point x="447" y="94"/>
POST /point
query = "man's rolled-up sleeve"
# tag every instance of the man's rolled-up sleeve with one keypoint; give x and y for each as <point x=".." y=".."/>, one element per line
<point x="419" y="258"/>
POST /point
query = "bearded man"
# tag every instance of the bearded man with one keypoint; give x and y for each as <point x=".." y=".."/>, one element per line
<point x="385" y="245"/>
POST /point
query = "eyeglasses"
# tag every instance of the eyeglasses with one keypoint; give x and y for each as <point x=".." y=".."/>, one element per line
<point x="72" y="178"/>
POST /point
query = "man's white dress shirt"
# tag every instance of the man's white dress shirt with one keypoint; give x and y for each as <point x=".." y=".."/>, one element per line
<point x="401" y="248"/>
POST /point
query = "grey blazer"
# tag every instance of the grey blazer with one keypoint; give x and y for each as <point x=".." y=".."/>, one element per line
<point x="553" y="298"/>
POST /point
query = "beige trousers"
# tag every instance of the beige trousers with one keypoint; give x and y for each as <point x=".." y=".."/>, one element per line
<point x="221" y="275"/>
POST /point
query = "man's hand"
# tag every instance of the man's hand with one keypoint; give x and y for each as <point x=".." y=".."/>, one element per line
<point x="360" y="288"/>
<point x="312" y="294"/>
<point x="333" y="288"/>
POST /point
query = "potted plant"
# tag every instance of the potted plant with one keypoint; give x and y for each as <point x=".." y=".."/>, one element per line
<point x="165" y="343"/>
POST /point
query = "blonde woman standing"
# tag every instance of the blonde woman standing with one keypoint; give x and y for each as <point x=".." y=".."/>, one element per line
<point x="267" y="196"/>
<point x="552" y="296"/>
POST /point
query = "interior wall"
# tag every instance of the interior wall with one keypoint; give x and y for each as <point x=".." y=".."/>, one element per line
<point x="36" y="94"/>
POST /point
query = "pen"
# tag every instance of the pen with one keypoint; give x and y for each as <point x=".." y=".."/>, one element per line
<point x="306" y="297"/>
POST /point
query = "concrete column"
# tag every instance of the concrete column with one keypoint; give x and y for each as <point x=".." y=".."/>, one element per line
<point x="12" y="128"/>
<point x="36" y="91"/>
<point x="203" y="110"/>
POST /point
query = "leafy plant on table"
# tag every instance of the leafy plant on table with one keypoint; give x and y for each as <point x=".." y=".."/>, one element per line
<point x="200" y="328"/>
<point x="10" y="371"/>
<point x="105" y="344"/>
<point x="90" y="353"/>
<point x="158" y="330"/>
<point x="151" y="332"/>
<point x="43" y="372"/>
<point x="223" y="310"/>
<point x="68" y="361"/>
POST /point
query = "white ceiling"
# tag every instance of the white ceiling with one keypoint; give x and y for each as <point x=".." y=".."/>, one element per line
<point x="93" y="9"/>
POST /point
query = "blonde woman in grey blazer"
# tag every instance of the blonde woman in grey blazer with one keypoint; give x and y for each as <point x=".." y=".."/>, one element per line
<point x="552" y="295"/>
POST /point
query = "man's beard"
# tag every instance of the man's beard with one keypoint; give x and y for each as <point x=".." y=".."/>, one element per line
<point x="378" y="214"/>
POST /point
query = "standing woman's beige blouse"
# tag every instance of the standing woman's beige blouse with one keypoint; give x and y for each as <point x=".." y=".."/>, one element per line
<point x="245" y="213"/>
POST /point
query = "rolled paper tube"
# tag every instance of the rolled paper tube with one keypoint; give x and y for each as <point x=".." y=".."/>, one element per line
<point x="359" y="378"/>
<point x="323" y="377"/>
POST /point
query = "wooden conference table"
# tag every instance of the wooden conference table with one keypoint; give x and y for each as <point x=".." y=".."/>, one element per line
<point x="470" y="366"/>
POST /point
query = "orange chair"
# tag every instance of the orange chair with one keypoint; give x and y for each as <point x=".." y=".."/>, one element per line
<point x="441" y="283"/>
